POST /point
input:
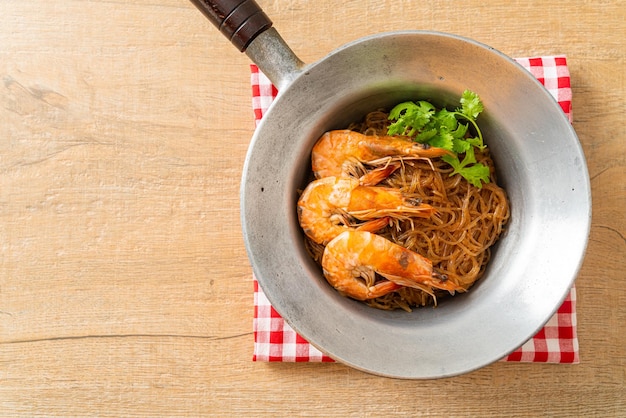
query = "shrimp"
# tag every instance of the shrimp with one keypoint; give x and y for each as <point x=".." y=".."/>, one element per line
<point x="353" y="254"/>
<point x="337" y="148"/>
<point x="327" y="203"/>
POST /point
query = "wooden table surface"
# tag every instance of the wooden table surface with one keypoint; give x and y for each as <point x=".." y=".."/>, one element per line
<point x="124" y="284"/>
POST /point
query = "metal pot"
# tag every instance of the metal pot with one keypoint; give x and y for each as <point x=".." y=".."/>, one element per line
<point x="539" y="161"/>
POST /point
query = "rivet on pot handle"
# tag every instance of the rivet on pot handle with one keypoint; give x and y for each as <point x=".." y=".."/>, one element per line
<point x="249" y="29"/>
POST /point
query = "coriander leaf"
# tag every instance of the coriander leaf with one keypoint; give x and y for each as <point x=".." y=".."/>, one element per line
<point x="470" y="157"/>
<point x="443" y="140"/>
<point x="477" y="142"/>
<point x="471" y="106"/>
<point x="475" y="174"/>
<point x="397" y="128"/>
<point x="401" y="108"/>
<point x="453" y="161"/>
<point x="460" y="146"/>
<point x="401" y="113"/>
<point x="426" y="107"/>
<point x="422" y="116"/>
<point x="460" y="131"/>
<point x="425" y="136"/>
<point x="446" y="119"/>
<point x="410" y="117"/>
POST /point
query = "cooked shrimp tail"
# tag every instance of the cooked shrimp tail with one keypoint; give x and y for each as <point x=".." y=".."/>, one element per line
<point x="336" y="148"/>
<point x="354" y="254"/>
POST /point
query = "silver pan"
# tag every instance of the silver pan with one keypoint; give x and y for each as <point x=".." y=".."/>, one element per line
<point x="540" y="163"/>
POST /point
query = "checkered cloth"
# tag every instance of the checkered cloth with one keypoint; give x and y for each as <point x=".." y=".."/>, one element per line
<point x="275" y="340"/>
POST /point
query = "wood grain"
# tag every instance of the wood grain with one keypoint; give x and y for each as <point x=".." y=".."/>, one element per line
<point x="124" y="283"/>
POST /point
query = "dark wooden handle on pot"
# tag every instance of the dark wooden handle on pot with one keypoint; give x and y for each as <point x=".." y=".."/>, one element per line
<point x="239" y="20"/>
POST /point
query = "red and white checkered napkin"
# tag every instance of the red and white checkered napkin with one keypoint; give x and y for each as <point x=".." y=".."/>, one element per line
<point x="275" y="340"/>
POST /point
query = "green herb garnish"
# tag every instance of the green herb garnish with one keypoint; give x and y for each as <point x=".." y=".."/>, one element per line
<point x="445" y="129"/>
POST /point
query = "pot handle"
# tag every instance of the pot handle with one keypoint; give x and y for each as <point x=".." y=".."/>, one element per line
<point x="246" y="25"/>
<point x="239" y="20"/>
